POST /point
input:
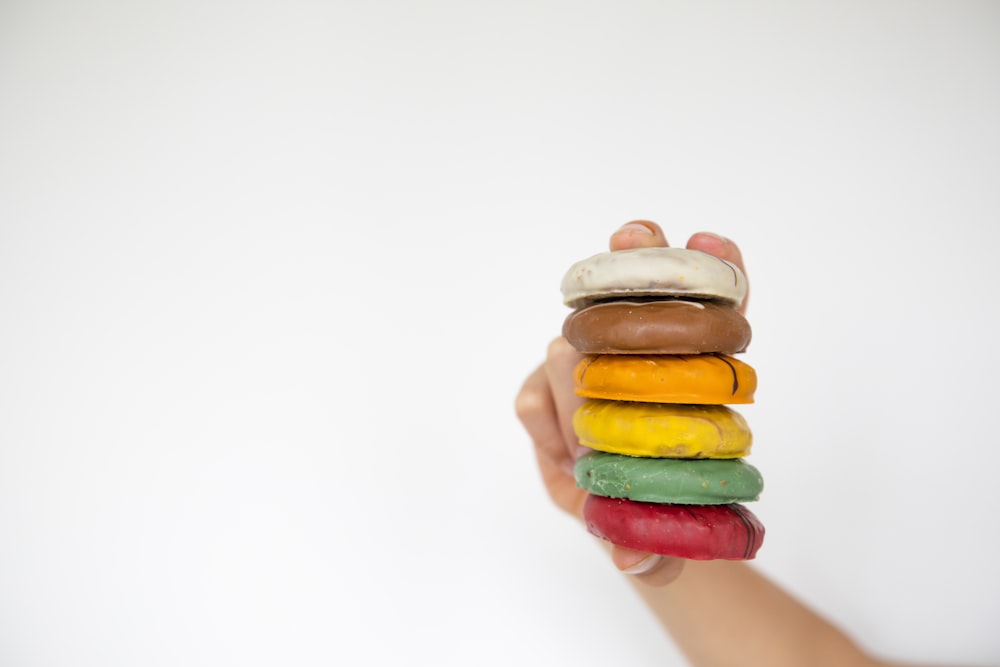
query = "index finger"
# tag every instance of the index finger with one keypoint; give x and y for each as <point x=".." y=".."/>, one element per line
<point x="722" y="248"/>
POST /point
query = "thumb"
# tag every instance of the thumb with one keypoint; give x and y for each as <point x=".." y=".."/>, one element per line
<point x="650" y="569"/>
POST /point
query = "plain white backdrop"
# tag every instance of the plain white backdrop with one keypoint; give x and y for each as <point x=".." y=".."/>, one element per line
<point x="272" y="273"/>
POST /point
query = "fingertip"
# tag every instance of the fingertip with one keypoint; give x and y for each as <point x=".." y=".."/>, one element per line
<point x="717" y="245"/>
<point x="650" y="569"/>
<point x="629" y="561"/>
<point x="723" y="248"/>
<point x="558" y="344"/>
<point x="637" y="234"/>
<point x="560" y="349"/>
<point x="560" y="365"/>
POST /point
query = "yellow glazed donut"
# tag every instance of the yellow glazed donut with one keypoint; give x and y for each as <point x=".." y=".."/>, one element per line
<point x="703" y="379"/>
<point x="662" y="430"/>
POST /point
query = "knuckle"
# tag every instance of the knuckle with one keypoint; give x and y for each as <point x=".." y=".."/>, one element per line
<point x="528" y="403"/>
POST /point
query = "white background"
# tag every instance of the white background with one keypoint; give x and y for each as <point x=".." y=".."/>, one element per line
<point x="272" y="273"/>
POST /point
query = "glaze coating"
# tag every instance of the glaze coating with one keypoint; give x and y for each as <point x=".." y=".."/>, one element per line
<point x="703" y="379"/>
<point x="658" y="272"/>
<point x="665" y="430"/>
<point x="675" y="481"/>
<point x="675" y="326"/>
<point x="698" y="532"/>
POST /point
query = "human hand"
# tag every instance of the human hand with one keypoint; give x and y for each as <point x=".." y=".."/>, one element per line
<point x="546" y="403"/>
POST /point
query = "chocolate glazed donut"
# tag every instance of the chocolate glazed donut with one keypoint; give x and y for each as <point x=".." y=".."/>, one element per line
<point x="673" y="326"/>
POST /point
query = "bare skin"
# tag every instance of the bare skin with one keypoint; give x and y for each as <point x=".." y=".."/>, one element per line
<point x="765" y="626"/>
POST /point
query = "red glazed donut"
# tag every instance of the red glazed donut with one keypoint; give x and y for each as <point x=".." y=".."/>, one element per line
<point x="698" y="532"/>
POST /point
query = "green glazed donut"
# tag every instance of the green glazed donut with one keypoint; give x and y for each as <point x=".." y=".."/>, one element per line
<point x="674" y="481"/>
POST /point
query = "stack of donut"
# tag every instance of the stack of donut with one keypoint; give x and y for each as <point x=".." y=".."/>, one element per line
<point x="666" y="475"/>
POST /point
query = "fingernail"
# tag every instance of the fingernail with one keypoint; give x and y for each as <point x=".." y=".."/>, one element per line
<point x="644" y="565"/>
<point x="717" y="237"/>
<point x="636" y="227"/>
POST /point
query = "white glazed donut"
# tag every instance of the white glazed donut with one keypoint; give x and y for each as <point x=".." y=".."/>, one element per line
<point x="653" y="272"/>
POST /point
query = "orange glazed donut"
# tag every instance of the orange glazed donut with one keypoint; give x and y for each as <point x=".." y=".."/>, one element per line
<point x="700" y="379"/>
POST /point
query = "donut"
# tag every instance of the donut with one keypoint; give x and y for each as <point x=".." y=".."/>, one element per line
<point x="662" y="429"/>
<point x="674" y="326"/>
<point x="698" y="532"/>
<point x="692" y="378"/>
<point x="657" y="272"/>
<point x="675" y="481"/>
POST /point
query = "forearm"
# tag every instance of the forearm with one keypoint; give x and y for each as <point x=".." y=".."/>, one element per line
<point x="724" y="613"/>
